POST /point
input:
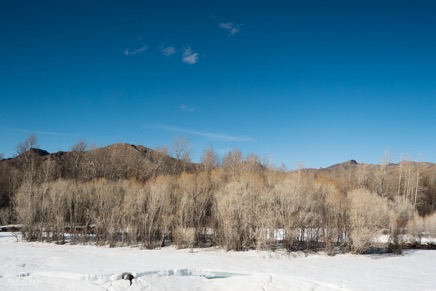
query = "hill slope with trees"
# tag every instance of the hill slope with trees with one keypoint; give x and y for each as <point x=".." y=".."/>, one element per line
<point x="124" y="194"/>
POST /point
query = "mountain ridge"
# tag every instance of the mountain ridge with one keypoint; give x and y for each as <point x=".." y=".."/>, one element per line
<point x="140" y="150"/>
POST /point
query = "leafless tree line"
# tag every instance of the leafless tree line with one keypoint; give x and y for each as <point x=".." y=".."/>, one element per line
<point x="112" y="197"/>
<point x="254" y="210"/>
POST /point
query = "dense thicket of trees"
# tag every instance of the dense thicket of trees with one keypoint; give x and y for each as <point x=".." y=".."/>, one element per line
<point x="128" y="195"/>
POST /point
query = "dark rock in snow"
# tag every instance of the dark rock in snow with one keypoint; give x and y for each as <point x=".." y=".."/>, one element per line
<point x="127" y="276"/>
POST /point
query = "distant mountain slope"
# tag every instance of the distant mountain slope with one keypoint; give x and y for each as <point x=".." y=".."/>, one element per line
<point x="116" y="161"/>
<point x="343" y="166"/>
<point x="126" y="161"/>
<point x="354" y="165"/>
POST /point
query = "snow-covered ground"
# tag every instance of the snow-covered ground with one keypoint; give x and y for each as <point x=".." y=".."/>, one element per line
<point x="43" y="266"/>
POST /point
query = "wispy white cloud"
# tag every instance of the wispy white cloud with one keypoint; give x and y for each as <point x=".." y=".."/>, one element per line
<point x="226" y="25"/>
<point x="184" y="107"/>
<point x="168" y="51"/>
<point x="209" y="135"/>
<point x="230" y="27"/>
<point x="136" y="52"/>
<point x="189" y="56"/>
<point x="40" y="132"/>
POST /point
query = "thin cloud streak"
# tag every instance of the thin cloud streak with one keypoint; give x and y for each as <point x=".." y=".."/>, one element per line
<point x="136" y="52"/>
<point x="210" y="135"/>
<point x="40" y="132"/>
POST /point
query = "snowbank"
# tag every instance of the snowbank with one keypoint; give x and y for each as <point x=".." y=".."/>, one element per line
<point x="39" y="266"/>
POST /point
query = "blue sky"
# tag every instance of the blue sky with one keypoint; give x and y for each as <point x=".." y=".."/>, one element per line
<point x="312" y="82"/>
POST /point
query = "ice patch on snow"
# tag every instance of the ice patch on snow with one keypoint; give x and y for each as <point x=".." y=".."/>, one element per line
<point x="190" y="272"/>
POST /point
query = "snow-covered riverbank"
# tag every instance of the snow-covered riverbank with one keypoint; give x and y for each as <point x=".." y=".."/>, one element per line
<point x="39" y="266"/>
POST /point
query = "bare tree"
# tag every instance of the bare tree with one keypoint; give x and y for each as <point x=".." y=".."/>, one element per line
<point x="409" y="182"/>
<point x="26" y="157"/>
<point x="29" y="143"/>
<point x="48" y="170"/>
<point x="27" y="162"/>
<point x="99" y="163"/>
<point x="76" y="158"/>
<point x="182" y="151"/>
<point x="162" y="150"/>
<point x="252" y="163"/>
<point x="381" y="175"/>
<point x="210" y="159"/>
<point x="159" y="157"/>
<point x="6" y="193"/>
<point x="362" y="176"/>
<point x="232" y="162"/>
<point x="368" y="216"/>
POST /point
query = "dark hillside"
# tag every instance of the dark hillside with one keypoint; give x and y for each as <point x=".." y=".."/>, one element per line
<point x="114" y="162"/>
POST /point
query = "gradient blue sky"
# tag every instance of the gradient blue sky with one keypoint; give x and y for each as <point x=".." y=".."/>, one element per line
<point x="312" y="82"/>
